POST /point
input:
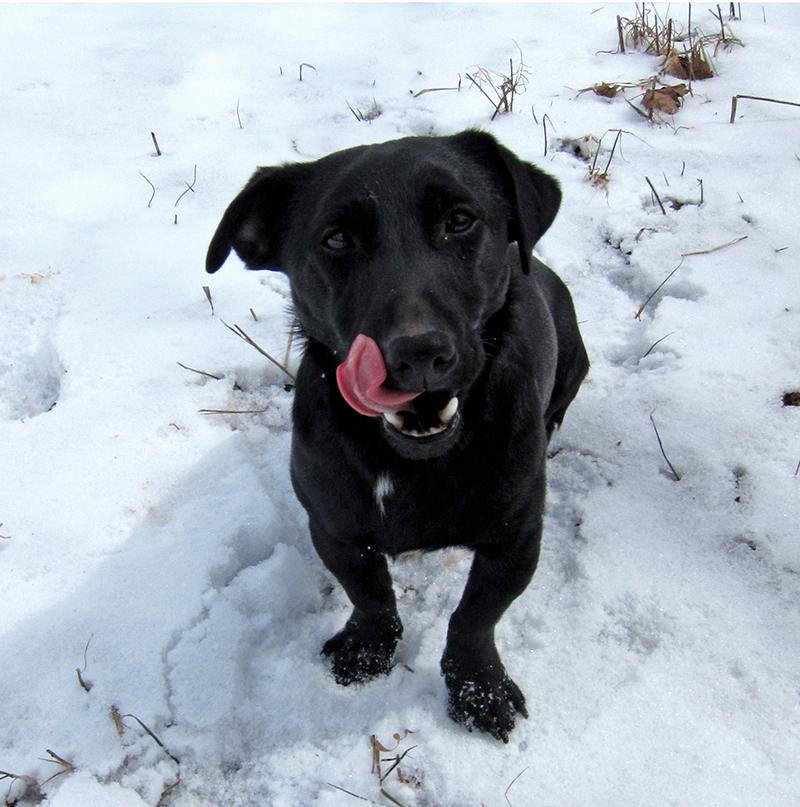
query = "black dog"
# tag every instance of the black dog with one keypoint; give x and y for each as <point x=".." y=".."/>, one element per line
<point x="438" y="359"/>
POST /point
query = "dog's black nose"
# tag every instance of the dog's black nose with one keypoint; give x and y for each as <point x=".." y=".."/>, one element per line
<point x="420" y="362"/>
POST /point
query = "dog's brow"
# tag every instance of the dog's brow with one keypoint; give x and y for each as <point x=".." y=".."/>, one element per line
<point x="351" y="212"/>
<point x="447" y="187"/>
<point x="440" y="197"/>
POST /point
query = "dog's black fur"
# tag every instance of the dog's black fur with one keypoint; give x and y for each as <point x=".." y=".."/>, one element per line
<point x="414" y="244"/>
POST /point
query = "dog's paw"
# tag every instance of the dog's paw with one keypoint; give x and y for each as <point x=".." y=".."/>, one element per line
<point x="363" y="650"/>
<point x="483" y="696"/>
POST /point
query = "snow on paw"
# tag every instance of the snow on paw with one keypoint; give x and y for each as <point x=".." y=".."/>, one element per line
<point x="363" y="650"/>
<point x="483" y="697"/>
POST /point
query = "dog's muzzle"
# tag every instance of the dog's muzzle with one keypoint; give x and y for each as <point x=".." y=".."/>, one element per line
<point x="418" y="425"/>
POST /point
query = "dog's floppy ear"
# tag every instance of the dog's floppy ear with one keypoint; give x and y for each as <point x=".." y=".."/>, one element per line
<point x="255" y="222"/>
<point x="533" y="196"/>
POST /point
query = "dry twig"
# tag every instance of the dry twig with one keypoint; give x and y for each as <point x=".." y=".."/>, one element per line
<point x="153" y="736"/>
<point x="685" y="255"/>
<point x="208" y="296"/>
<point x="657" y="197"/>
<point x="657" y="342"/>
<point x="242" y="335"/>
<point x="306" y="64"/>
<point x="438" y="89"/>
<point x="188" y="188"/>
<point x="153" y="195"/>
<point x="232" y="411"/>
<point x="117" y="718"/>
<point x="735" y="102"/>
<point x="664" y="453"/>
<point x="350" y="793"/>
<point x="85" y="684"/>
<point x="66" y="767"/>
<point x="505" y="795"/>
<point x="200" y="372"/>
<point x="370" y="115"/>
<point x="505" y="87"/>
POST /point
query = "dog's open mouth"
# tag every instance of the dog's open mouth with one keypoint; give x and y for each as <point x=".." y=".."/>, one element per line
<point x="418" y="425"/>
<point x="429" y="414"/>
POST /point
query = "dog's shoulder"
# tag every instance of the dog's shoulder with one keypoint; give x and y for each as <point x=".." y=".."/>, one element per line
<point x="572" y="361"/>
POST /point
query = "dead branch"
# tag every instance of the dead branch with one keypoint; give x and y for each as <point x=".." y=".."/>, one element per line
<point x="505" y="795"/>
<point x="208" y="296"/>
<point x="153" y="195"/>
<point x="66" y="767"/>
<point x="306" y="64"/>
<point x="655" y="193"/>
<point x="657" y="342"/>
<point x="200" y="372"/>
<point x="153" y="736"/>
<point x="685" y="255"/>
<point x="232" y="411"/>
<point x="664" y="453"/>
<point x="350" y="793"/>
<point x="242" y="335"/>
<point x="396" y="762"/>
<point x="188" y="187"/>
<point x="714" y="249"/>
<point x="438" y="89"/>
<point x="735" y="102"/>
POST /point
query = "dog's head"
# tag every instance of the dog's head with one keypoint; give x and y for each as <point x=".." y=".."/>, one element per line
<point x="397" y="256"/>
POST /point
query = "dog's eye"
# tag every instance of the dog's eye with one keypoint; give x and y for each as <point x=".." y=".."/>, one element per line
<point x="459" y="221"/>
<point x="337" y="241"/>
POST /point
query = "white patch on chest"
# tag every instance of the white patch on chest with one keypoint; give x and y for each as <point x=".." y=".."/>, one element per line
<point x="384" y="488"/>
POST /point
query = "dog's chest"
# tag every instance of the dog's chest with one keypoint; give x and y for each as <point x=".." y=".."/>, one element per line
<point x="384" y="489"/>
<point x="426" y="511"/>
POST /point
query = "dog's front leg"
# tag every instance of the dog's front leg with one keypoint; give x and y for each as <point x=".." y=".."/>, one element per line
<point x="364" y="647"/>
<point x="480" y="691"/>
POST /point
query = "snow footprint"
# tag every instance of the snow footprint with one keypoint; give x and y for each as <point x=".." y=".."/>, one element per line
<point x="637" y="626"/>
<point x="641" y="263"/>
<point x="30" y="369"/>
<point x="572" y="474"/>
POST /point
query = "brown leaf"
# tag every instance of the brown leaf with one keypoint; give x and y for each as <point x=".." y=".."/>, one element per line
<point x="665" y="99"/>
<point x="677" y="65"/>
<point x="606" y="90"/>
<point x="702" y="69"/>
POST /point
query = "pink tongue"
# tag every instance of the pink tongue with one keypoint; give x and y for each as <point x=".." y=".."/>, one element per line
<point x="360" y="378"/>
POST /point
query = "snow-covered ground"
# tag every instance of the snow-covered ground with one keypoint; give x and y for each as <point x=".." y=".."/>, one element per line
<point x="159" y="550"/>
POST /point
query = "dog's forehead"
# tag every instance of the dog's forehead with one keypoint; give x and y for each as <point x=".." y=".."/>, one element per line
<point x="402" y="170"/>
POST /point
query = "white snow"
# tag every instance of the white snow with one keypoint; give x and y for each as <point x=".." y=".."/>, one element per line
<point x="161" y="552"/>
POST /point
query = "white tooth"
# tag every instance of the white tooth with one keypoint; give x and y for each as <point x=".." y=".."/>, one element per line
<point x="393" y="419"/>
<point x="446" y="415"/>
